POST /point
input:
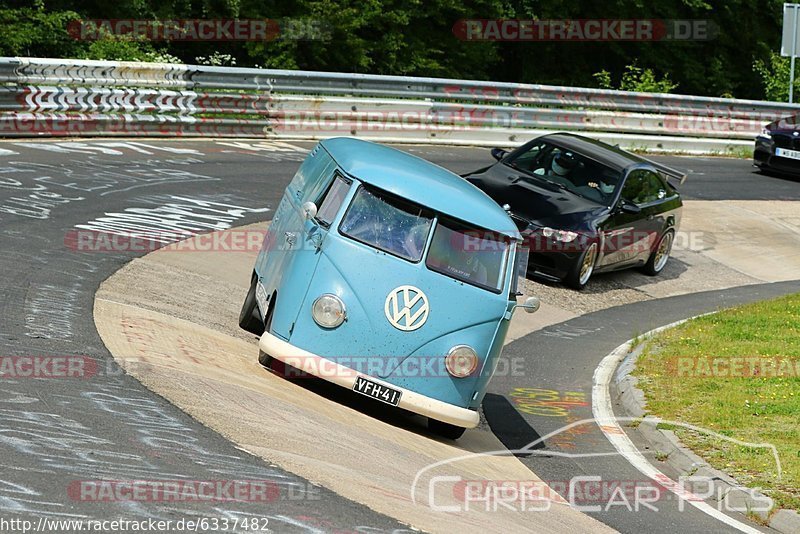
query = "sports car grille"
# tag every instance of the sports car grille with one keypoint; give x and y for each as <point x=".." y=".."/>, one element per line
<point x="786" y="141"/>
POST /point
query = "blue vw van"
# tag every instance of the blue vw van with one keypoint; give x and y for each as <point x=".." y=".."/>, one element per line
<point x="390" y="276"/>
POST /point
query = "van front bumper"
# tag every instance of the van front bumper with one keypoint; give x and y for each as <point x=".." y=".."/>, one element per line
<point x="344" y="376"/>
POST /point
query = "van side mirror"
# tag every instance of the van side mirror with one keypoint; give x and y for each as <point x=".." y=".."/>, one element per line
<point x="309" y="210"/>
<point x="531" y="305"/>
<point x="498" y="153"/>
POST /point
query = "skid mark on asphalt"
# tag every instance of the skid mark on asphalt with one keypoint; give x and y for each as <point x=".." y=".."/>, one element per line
<point x="171" y="222"/>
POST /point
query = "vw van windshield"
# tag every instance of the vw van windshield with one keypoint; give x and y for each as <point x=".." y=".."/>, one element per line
<point x="470" y="255"/>
<point x="387" y="223"/>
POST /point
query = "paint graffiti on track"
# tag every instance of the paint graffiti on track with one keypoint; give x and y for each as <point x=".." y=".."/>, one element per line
<point x="547" y="402"/>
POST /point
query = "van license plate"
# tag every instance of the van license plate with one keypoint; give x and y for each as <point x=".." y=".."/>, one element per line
<point x="377" y="391"/>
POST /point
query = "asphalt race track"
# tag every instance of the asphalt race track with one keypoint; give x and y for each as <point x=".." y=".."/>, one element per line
<point x="560" y="361"/>
<point x="61" y="431"/>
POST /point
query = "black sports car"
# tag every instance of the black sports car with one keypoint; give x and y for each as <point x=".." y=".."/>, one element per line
<point x="584" y="206"/>
<point x="778" y="147"/>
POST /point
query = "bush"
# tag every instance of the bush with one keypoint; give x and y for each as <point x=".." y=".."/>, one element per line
<point x="36" y="32"/>
<point x="637" y="79"/>
<point x="774" y="74"/>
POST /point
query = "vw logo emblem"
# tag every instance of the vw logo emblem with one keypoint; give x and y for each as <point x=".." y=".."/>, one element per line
<point x="406" y="308"/>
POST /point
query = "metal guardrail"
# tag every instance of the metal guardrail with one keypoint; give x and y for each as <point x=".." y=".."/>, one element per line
<point x="61" y="97"/>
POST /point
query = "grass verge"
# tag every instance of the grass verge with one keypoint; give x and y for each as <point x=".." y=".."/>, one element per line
<point x="736" y="373"/>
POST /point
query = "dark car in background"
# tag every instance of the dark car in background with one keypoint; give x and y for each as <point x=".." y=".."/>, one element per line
<point x="584" y="206"/>
<point x="778" y="147"/>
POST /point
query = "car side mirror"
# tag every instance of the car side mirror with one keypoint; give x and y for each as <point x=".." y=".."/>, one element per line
<point x="499" y="153"/>
<point x="531" y="305"/>
<point x="309" y="210"/>
<point x="629" y="207"/>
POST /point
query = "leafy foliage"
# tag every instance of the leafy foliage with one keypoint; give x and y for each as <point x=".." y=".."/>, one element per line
<point x="415" y="37"/>
<point x="636" y="78"/>
<point x="774" y="74"/>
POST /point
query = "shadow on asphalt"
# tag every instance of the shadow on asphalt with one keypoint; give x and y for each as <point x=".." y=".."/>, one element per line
<point x="623" y="279"/>
<point x="377" y="410"/>
<point x="508" y="425"/>
<point x="778" y="175"/>
<point x="634" y="279"/>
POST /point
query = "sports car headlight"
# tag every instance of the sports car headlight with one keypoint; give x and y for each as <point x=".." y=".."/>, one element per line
<point x="766" y="133"/>
<point x="565" y="236"/>
<point x="461" y="361"/>
<point x="328" y="311"/>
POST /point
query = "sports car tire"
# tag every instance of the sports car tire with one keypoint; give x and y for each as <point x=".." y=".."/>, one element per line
<point x="658" y="258"/>
<point x="582" y="271"/>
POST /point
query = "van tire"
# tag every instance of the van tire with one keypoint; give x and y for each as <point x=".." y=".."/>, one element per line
<point x="445" y="430"/>
<point x="249" y="319"/>
<point x="264" y="358"/>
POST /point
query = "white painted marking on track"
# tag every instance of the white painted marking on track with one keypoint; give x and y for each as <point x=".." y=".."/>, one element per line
<point x="603" y="412"/>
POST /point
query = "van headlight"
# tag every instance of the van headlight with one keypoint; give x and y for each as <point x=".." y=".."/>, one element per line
<point x="328" y="311"/>
<point x="461" y="361"/>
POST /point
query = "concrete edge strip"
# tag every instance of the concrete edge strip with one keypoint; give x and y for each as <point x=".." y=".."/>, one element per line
<point x="603" y="412"/>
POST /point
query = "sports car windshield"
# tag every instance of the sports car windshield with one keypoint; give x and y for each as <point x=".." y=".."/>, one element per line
<point x="560" y="168"/>
<point x="471" y="255"/>
<point x="387" y="223"/>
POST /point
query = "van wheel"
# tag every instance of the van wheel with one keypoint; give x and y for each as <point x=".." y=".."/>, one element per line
<point x="658" y="259"/>
<point x="264" y="358"/>
<point x="445" y="430"/>
<point x="248" y="317"/>
<point x="580" y="273"/>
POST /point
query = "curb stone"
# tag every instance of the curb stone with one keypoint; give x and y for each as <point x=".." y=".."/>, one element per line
<point x="631" y="400"/>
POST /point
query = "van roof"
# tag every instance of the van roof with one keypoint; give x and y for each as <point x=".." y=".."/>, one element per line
<point x="420" y="181"/>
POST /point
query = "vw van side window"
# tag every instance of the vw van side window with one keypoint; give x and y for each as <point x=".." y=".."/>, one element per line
<point x="468" y="254"/>
<point x="332" y="200"/>
<point x="387" y="223"/>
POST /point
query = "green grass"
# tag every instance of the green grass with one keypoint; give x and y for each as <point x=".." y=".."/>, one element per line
<point x="752" y="409"/>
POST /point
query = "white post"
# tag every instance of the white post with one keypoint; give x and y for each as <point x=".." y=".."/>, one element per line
<point x="794" y="53"/>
